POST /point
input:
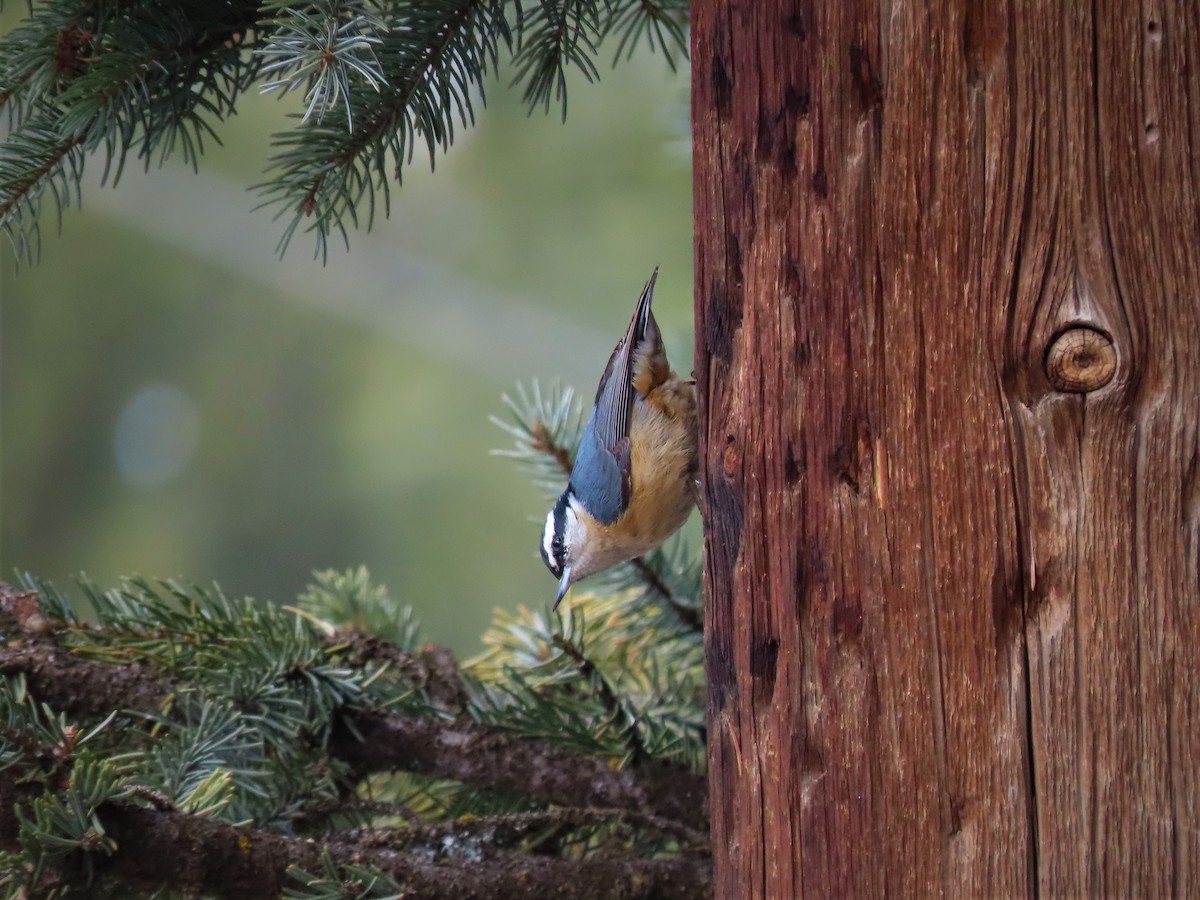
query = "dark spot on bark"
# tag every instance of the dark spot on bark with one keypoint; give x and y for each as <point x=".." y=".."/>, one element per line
<point x="843" y="464"/>
<point x="870" y="89"/>
<point x="796" y="102"/>
<point x="803" y="353"/>
<point x="783" y="131"/>
<point x="733" y="259"/>
<point x="722" y="547"/>
<point x="743" y="174"/>
<point x="794" y="280"/>
<point x="764" y="660"/>
<point x="811" y="571"/>
<point x="725" y="506"/>
<point x="787" y="160"/>
<point x="794" y="25"/>
<point x="847" y="620"/>
<point x="723" y="317"/>
<point x="718" y="667"/>
<point x="722" y="88"/>
<point x="764" y="142"/>
<point x="1007" y="595"/>
<point x="847" y="461"/>
<point x="820" y="183"/>
<point x="956" y="813"/>
<point x="793" y="467"/>
<point x="808" y="763"/>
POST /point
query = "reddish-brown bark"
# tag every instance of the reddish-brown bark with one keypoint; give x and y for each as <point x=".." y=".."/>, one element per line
<point x="952" y="599"/>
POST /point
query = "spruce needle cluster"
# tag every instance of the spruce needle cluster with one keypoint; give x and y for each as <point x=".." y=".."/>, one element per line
<point x="101" y="81"/>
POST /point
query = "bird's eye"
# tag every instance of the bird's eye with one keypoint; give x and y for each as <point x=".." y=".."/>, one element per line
<point x="554" y="547"/>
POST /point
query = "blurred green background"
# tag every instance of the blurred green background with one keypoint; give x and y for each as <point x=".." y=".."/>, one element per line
<point x="177" y="401"/>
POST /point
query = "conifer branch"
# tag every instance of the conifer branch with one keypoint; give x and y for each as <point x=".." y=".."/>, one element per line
<point x="86" y="78"/>
<point x="487" y="758"/>
<point x="661" y="25"/>
<point x="608" y="697"/>
<point x="513" y="828"/>
<point x="205" y="738"/>
<point x="653" y="580"/>
<point x="63" y="680"/>
<point x="437" y="53"/>
<point x="19" y="189"/>
<point x="556" y="34"/>
<point x="156" y="847"/>
<point x="377" y="77"/>
<point x="444" y="746"/>
<point x="543" y="441"/>
<point x="434" y="669"/>
<point x="530" y="685"/>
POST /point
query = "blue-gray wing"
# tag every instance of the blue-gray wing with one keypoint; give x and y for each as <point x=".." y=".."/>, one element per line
<point x="601" y="477"/>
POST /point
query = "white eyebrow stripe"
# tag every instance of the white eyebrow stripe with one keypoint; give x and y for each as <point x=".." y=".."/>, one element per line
<point x="548" y="537"/>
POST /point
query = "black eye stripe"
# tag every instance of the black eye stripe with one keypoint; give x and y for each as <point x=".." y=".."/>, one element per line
<point x="560" y="524"/>
<point x="560" y="527"/>
<point x="555" y="557"/>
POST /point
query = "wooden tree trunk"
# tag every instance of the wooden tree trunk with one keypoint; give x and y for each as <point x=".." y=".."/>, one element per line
<point x="948" y="356"/>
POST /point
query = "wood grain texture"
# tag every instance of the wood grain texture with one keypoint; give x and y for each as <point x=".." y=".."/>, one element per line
<point x="953" y="612"/>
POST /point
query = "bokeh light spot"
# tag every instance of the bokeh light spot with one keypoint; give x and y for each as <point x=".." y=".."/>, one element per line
<point x="156" y="435"/>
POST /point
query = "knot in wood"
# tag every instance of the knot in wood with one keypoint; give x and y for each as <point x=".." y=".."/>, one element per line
<point x="1081" y="359"/>
<point x="729" y="462"/>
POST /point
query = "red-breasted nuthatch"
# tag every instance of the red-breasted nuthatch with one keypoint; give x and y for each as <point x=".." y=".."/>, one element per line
<point x="634" y="479"/>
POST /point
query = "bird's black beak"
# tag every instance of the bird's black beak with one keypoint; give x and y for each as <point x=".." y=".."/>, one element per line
<point x="563" y="584"/>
